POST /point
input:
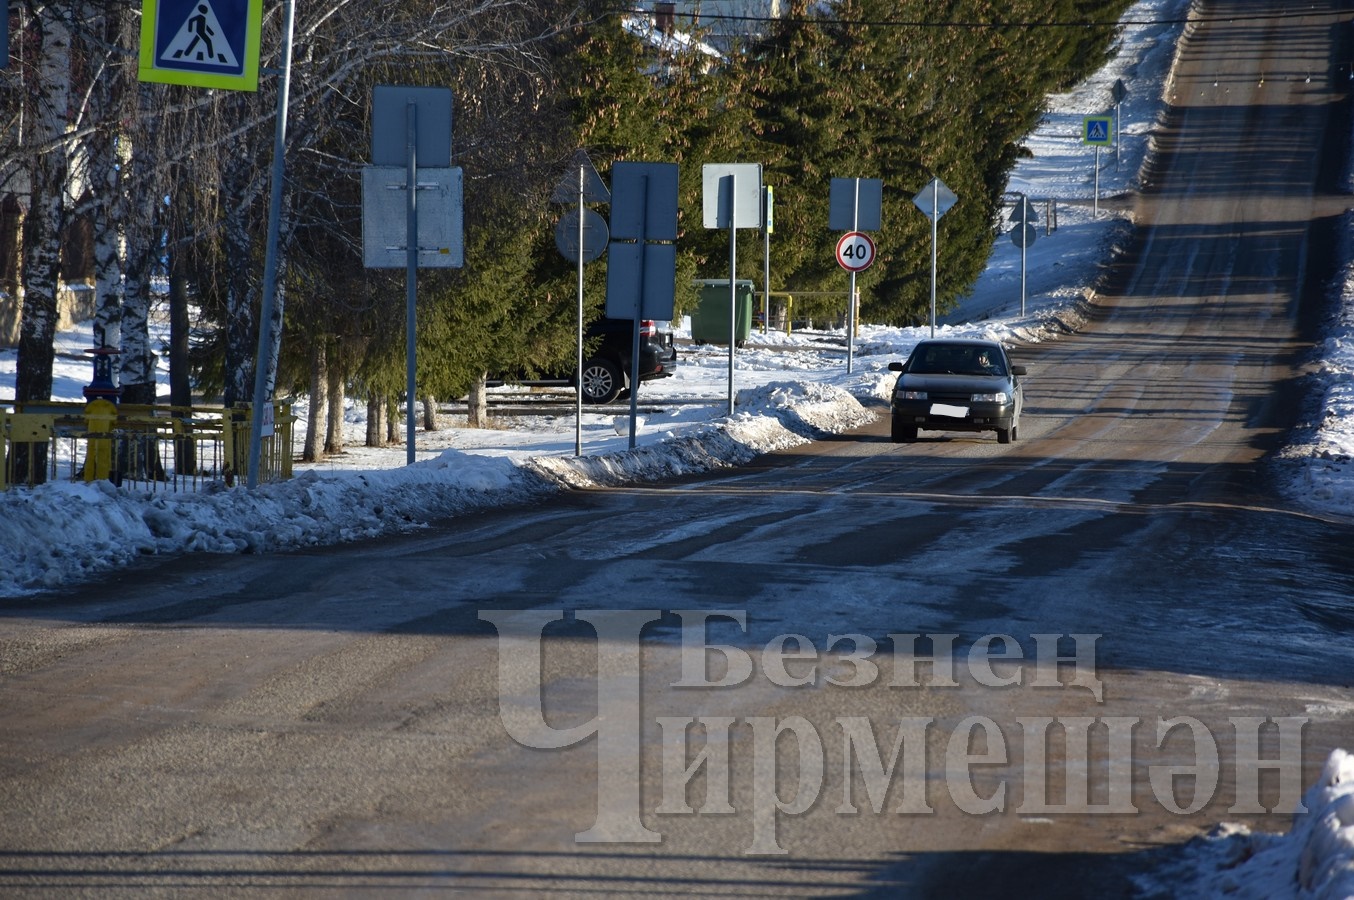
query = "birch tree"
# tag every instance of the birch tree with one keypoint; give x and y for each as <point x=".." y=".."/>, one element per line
<point x="48" y="99"/>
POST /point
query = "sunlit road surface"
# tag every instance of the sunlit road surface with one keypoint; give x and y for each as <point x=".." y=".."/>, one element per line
<point x="337" y="722"/>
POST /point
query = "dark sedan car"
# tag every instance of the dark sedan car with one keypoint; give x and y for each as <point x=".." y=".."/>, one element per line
<point x="957" y="385"/>
<point x="606" y="369"/>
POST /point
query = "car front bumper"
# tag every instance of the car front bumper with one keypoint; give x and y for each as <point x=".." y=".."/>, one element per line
<point x="936" y="415"/>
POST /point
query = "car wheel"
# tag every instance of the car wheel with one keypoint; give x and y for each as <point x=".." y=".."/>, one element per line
<point x="1004" y="435"/>
<point x="903" y="434"/>
<point x="601" y="381"/>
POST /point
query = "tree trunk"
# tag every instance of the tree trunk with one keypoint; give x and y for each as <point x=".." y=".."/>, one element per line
<point x="142" y="236"/>
<point x="240" y="336"/>
<point x="317" y="417"/>
<point x="376" y="406"/>
<point x="137" y="361"/>
<point x="429" y="413"/>
<point x="42" y="229"/>
<point x="241" y="294"/>
<point x="180" y="384"/>
<point x="393" y="422"/>
<point x="477" y="405"/>
<point x="108" y="215"/>
<point x="138" y="457"/>
<point x="333" y="435"/>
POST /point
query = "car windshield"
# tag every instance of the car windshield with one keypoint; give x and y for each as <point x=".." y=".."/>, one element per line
<point x="956" y="359"/>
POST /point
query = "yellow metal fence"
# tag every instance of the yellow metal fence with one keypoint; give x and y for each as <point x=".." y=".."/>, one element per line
<point x="150" y="447"/>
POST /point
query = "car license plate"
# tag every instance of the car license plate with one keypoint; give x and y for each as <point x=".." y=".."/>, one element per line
<point x="945" y="409"/>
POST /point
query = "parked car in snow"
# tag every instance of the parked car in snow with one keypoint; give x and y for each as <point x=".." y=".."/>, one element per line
<point x="606" y="369"/>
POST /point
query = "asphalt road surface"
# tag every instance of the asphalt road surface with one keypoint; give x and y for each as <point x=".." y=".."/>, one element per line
<point x="343" y="722"/>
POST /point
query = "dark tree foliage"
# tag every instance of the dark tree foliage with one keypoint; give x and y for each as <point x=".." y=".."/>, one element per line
<point x="900" y="91"/>
<point x="905" y="92"/>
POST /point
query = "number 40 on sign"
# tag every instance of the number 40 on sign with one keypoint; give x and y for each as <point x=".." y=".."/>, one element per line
<point x="855" y="251"/>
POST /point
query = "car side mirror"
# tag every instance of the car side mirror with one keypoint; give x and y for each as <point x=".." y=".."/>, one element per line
<point x="895" y="367"/>
<point x="1018" y="370"/>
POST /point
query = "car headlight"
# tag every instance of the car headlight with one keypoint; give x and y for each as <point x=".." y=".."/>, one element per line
<point x="911" y="395"/>
<point x="995" y="397"/>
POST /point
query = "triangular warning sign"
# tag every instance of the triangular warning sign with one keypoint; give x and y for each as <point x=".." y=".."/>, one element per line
<point x="582" y="176"/>
<point x="200" y="41"/>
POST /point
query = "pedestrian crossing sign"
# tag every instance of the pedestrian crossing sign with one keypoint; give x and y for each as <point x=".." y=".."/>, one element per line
<point x="1097" y="130"/>
<point x="204" y="43"/>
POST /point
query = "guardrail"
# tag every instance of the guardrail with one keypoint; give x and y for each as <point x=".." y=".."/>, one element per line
<point x="151" y="447"/>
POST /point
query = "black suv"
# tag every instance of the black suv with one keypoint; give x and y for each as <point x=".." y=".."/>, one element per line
<point x="606" y="369"/>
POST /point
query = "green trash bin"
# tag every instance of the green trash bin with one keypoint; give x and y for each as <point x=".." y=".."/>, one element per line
<point x="710" y="320"/>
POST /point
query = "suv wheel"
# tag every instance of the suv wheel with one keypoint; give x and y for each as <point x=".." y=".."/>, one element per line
<point x="601" y="381"/>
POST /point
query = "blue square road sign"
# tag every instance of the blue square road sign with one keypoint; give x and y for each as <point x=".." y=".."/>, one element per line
<point x="1097" y="130"/>
<point x="203" y="43"/>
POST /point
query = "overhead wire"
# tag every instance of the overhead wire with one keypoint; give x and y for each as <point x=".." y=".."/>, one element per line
<point x="705" y="16"/>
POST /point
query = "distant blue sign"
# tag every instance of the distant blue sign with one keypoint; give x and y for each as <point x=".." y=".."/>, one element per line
<point x="204" y="43"/>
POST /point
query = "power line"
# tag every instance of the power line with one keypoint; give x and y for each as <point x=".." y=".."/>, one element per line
<point x="1084" y="23"/>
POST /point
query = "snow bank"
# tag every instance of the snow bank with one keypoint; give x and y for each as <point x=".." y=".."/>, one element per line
<point x="1314" y="861"/>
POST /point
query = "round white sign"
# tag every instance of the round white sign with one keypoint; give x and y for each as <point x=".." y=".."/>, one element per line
<point x="855" y="251"/>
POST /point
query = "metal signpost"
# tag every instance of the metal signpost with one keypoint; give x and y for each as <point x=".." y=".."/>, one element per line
<point x="581" y="236"/>
<point x="732" y="199"/>
<point x="855" y="252"/>
<point x="641" y="272"/>
<point x="934" y="200"/>
<point x="855" y="205"/>
<point x="409" y="126"/>
<point x="1023" y="234"/>
<point x="1118" y="92"/>
<point x="1099" y="132"/>
<point x="267" y="339"/>
<point x="767" y="227"/>
<point x="203" y="43"/>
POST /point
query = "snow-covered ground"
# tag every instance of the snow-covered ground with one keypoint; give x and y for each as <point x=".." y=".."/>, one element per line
<point x="790" y="388"/>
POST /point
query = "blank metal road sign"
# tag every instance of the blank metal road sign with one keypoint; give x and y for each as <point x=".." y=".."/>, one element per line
<point x="854" y="204"/>
<point x="204" y="43"/>
<point x="935" y="199"/>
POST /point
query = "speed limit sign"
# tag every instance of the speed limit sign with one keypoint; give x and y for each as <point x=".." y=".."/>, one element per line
<point x="855" y="251"/>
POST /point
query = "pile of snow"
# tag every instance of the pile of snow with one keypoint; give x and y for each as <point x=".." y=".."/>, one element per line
<point x="1314" y="861"/>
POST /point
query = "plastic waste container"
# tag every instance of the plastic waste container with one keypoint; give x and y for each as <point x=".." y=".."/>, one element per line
<point x="710" y="320"/>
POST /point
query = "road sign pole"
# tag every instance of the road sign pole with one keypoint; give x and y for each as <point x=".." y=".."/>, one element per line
<point x="639" y="310"/>
<point x="1023" y="244"/>
<point x="733" y="285"/>
<point x="1095" y="202"/>
<point x="578" y="358"/>
<point x="851" y="297"/>
<point x="1118" y="92"/>
<point x="766" y="259"/>
<point x="264" y="356"/>
<point x="1118" y="111"/>
<point x="935" y="236"/>
<point x="851" y="325"/>
<point x="411" y="274"/>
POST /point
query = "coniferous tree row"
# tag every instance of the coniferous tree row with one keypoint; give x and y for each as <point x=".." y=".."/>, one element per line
<point x="900" y="91"/>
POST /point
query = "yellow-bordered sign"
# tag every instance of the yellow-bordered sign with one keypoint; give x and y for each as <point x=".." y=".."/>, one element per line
<point x="205" y="43"/>
<point x="1097" y="130"/>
